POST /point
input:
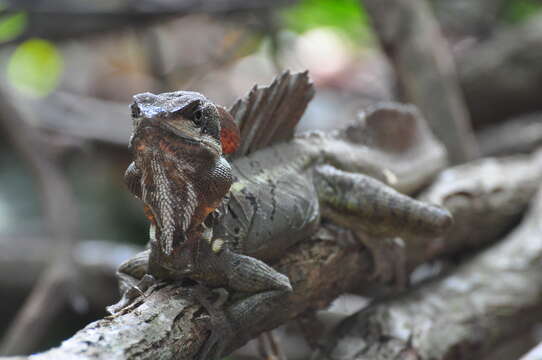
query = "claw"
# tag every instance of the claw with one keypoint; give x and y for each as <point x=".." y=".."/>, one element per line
<point x="221" y="328"/>
<point x="128" y="300"/>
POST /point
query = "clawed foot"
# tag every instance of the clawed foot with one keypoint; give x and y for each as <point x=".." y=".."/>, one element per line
<point x="130" y="296"/>
<point x="220" y="327"/>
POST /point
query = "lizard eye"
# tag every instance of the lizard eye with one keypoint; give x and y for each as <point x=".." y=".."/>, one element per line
<point x="198" y="116"/>
<point x="136" y="112"/>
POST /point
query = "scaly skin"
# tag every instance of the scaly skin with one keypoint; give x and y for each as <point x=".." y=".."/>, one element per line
<point x="278" y="197"/>
<point x="178" y="172"/>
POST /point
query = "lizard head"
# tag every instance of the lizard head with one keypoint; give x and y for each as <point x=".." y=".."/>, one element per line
<point x="187" y="116"/>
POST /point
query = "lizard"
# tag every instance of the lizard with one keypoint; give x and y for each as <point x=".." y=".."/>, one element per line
<point x="273" y="197"/>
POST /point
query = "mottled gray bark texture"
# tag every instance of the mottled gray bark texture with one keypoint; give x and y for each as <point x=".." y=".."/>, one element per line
<point x="411" y="38"/>
<point x="486" y="197"/>
<point x="502" y="77"/>
<point x="494" y="295"/>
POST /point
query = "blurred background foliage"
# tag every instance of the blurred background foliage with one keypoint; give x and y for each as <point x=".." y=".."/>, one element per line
<point x="75" y="87"/>
<point x="344" y="16"/>
<point x="516" y="11"/>
<point x="11" y="26"/>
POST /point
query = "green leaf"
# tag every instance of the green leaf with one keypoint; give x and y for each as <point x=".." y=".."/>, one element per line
<point x="35" y="67"/>
<point x="12" y="25"/>
<point x="345" y="16"/>
<point x="519" y="10"/>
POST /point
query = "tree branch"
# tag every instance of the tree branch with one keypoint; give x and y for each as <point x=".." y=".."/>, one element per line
<point x="502" y="77"/>
<point x="166" y="323"/>
<point x="96" y="261"/>
<point x="60" y="19"/>
<point x="410" y="37"/>
<point x="496" y="294"/>
<point x="519" y="135"/>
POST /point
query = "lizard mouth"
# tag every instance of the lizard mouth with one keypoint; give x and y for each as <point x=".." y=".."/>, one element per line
<point x="201" y="141"/>
<point x="178" y="134"/>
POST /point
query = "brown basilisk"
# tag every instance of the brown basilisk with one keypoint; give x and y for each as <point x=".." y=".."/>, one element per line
<point x="217" y="224"/>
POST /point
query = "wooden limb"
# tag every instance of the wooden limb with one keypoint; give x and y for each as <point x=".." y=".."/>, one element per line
<point x="410" y="37"/>
<point x="58" y="19"/>
<point x="486" y="198"/>
<point x="519" y="135"/>
<point x="496" y="294"/>
<point x="154" y="56"/>
<point x="390" y="142"/>
<point x="74" y="115"/>
<point x="464" y="18"/>
<point x="502" y="77"/>
<point x="166" y="323"/>
<point x="96" y="261"/>
<point x="59" y="210"/>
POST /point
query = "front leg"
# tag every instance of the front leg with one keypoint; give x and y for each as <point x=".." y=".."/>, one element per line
<point x="256" y="286"/>
<point x="133" y="281"/>
<point x="378" y="214"/>
<point x="132" y="178"/>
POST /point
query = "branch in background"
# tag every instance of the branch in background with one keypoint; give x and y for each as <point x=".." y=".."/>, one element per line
<point x="96" y="260"/>
<point x="60" y="19"/>
<point x="502" y="77"/>
<point x="60" y="212"/>
<point x="486" y="197"/>
<point x="519" y="135"/>
<point x="152" y="48"/>
<point x="491" y="297"/>
<point x="465" y="18"/>
<point x="80" y="116"/>
<point x="410" y="37"/>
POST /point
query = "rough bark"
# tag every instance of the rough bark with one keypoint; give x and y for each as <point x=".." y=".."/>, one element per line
<point x="486" y="198"/>
<point x="491" y="297"/>
<point x="167" y="324"/>
<point x="410" y="37"/>
<point x="502" y="77"/>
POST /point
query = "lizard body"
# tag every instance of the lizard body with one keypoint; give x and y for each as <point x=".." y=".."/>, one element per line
<point x="278" y="195"/>
<point x="274" y="197"/>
